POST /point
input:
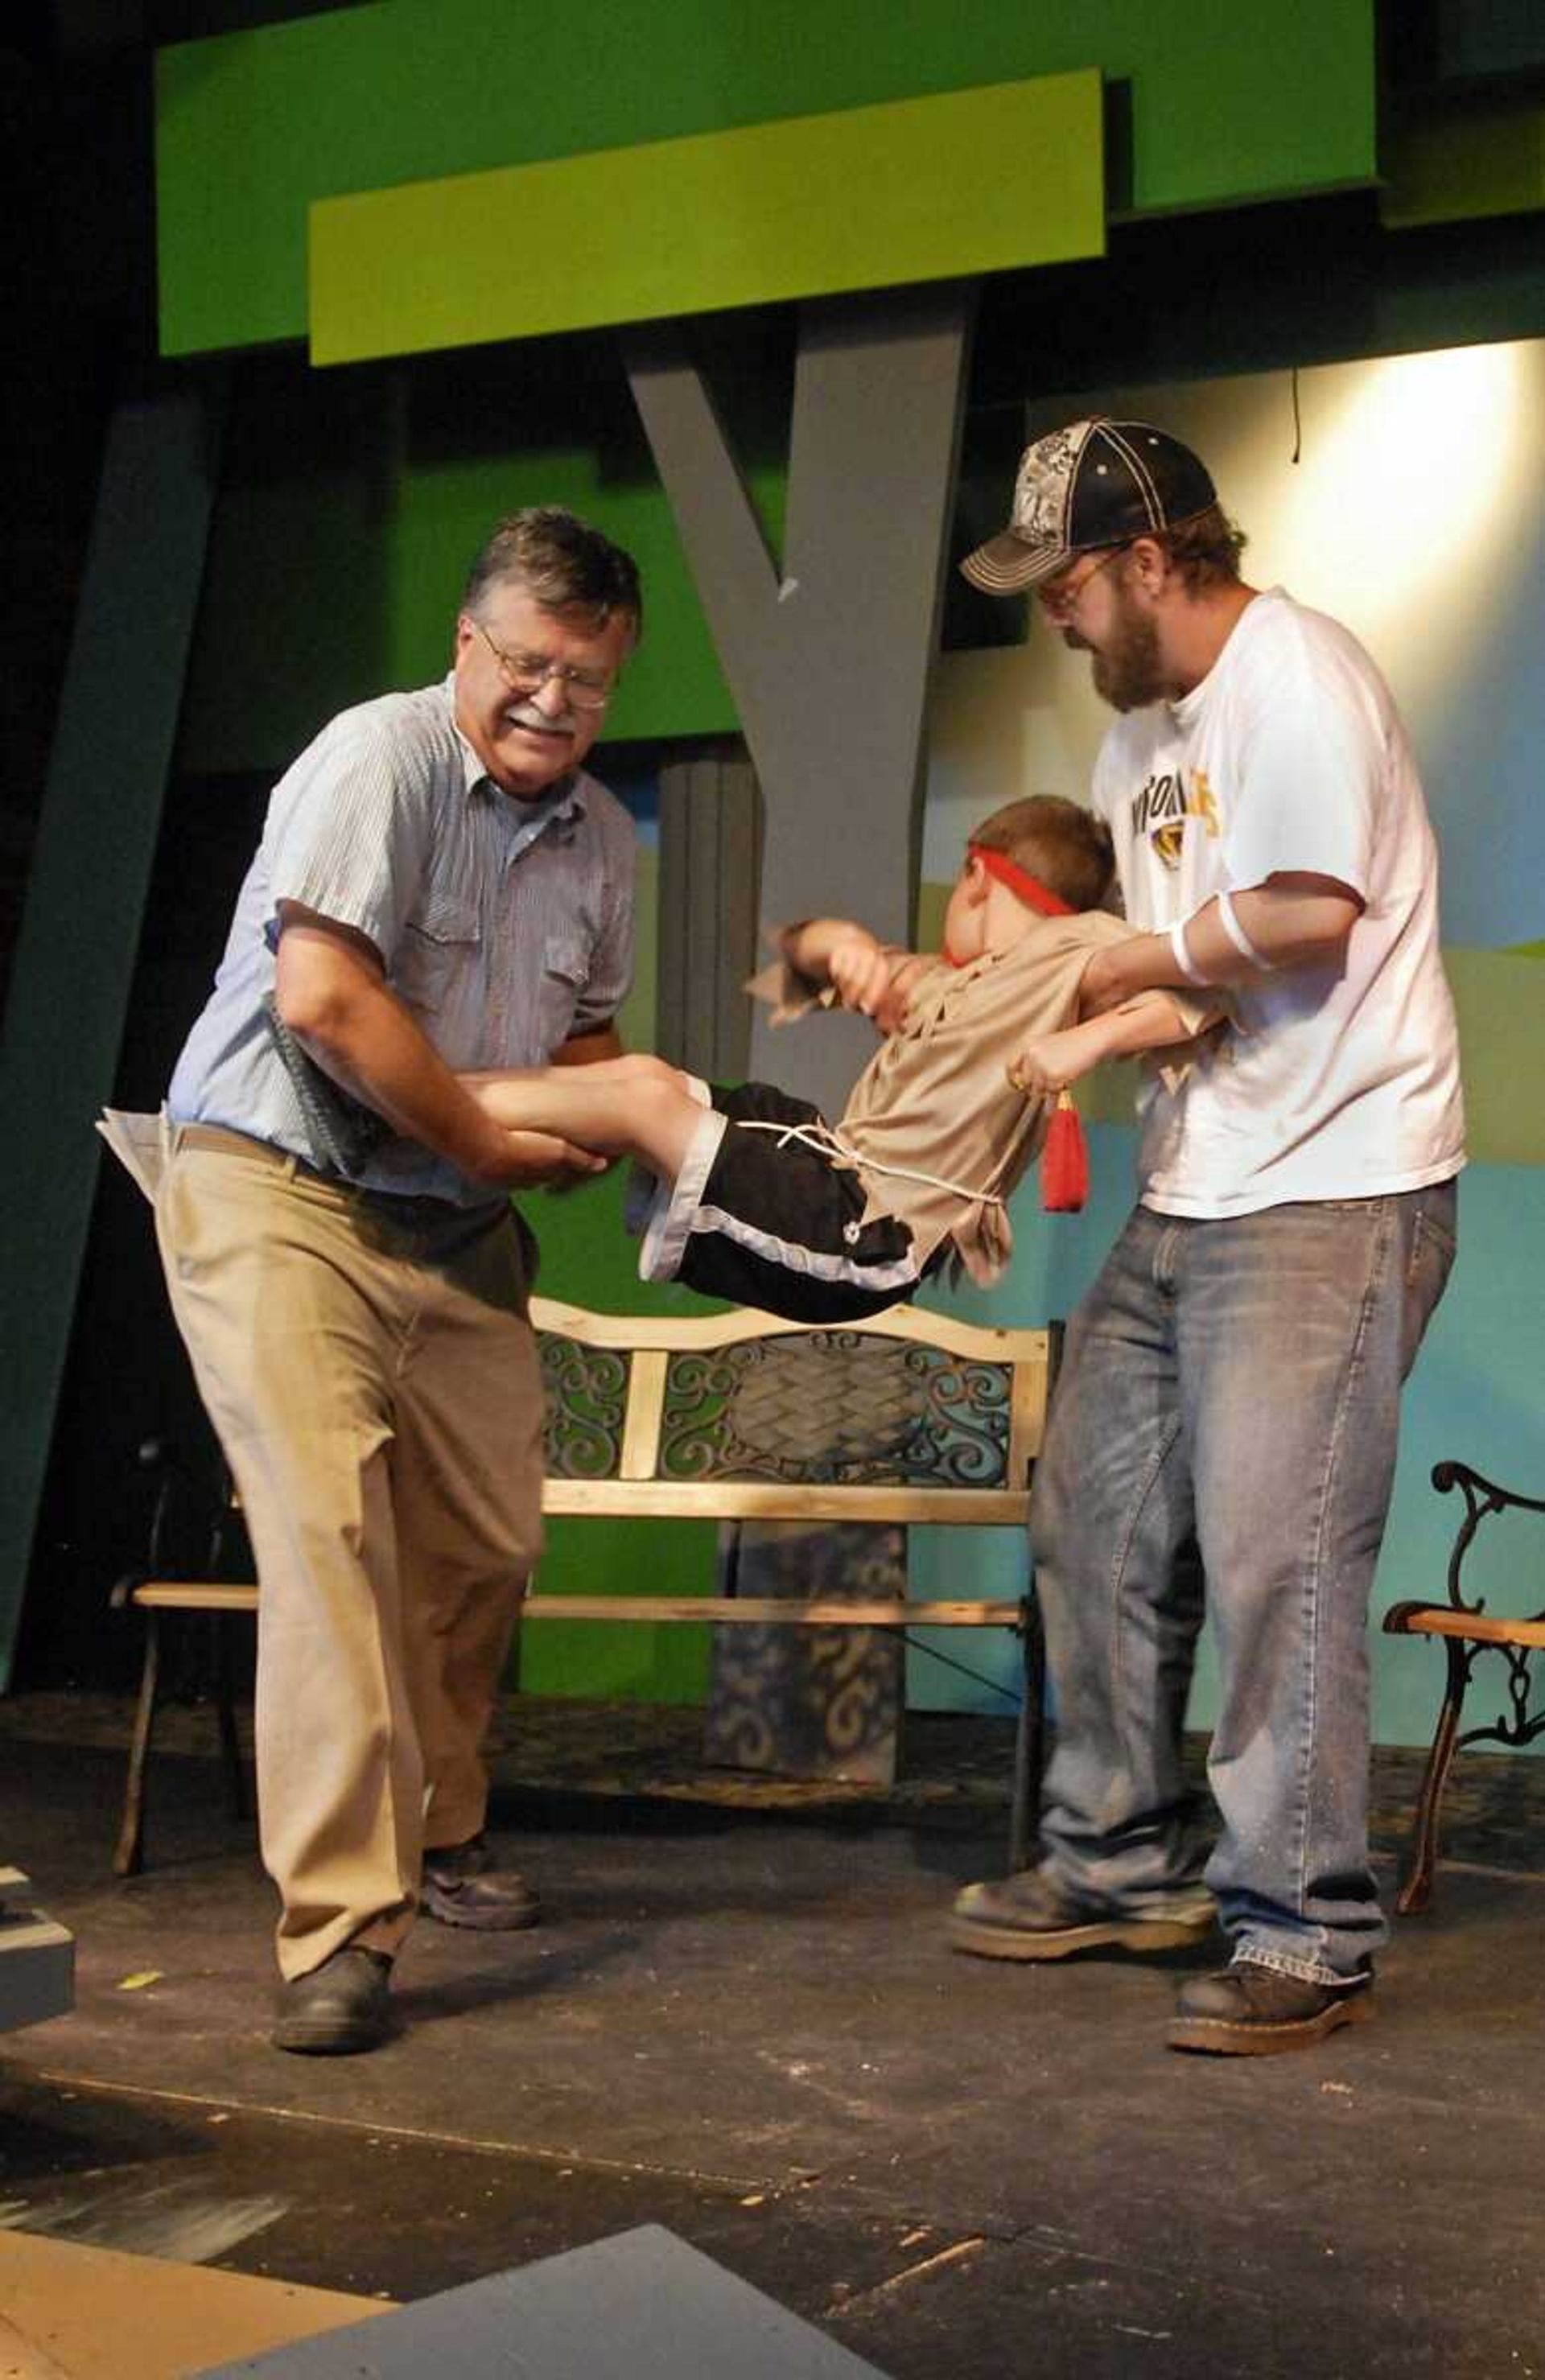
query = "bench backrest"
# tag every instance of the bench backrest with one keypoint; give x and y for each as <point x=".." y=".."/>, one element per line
<point x="910" y="1416"/>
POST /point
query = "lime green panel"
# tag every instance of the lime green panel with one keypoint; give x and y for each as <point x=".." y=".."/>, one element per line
<point x="1490" y="162"/>
<point x="874" y="198"/>
<point x="1501" y="1048"/>
<point x="1221" y="101"/>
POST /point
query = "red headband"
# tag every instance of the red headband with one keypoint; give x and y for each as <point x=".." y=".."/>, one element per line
<point x="1026" y="887"/>
<point x="1021" y="883"/>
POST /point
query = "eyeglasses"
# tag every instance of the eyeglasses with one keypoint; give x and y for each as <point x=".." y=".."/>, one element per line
<point x="529" y="672"/>
<point x="1060" y="602"/>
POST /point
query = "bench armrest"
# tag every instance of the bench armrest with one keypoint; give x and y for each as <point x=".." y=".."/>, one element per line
<point x="1483" y="1497"/>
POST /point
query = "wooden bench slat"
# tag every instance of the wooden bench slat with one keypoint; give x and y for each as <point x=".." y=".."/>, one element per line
<point x="772" y="1611"/>
<point x="197" y="1595"/>
<point x="983" y="1342"/>
<point x="193" y="1594"/>
<point x="646" y="1407"/>
<point x="774" y="1499"/>
<point x="1442" y="1620"/>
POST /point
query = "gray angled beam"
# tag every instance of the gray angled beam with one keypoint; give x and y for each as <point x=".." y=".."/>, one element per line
<point x="829" y="661"/>
<point x="79" y="934"/>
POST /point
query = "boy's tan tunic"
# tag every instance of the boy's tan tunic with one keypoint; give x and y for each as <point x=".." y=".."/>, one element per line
<point x="935" y="1098"/>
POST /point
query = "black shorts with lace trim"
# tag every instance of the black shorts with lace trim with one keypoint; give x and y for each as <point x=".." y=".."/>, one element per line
<point x="773" y="1222"/>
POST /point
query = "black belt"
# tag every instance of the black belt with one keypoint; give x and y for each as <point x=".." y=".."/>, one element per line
<point x="406" y="1209"/>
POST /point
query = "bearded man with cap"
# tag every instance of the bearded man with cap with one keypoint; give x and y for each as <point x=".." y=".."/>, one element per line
<point x="1232" y="1383"/>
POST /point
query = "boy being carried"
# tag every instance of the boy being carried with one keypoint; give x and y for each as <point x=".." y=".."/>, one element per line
<point x="761" y="1201"/>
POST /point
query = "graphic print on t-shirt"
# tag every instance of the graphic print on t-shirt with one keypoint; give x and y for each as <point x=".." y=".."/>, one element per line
<point x="1161" y="809"/>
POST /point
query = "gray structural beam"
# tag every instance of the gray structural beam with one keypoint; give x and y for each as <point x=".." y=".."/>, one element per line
<point x="828" y="658"/>
<point x="80" y="932"/>
<point x="710" y="849"/>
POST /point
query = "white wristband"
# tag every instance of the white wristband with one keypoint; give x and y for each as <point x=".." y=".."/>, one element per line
<point x="1237" y="936"/>
<point x="1183" y="958"/>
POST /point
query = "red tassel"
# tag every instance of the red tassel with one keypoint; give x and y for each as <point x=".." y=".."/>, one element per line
<point x="1065" y="1161"/>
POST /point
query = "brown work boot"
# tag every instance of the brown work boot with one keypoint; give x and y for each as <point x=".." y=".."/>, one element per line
<point x="339" y="2008"/>
<point x="462" y="1887"/>
<point x="1251" y="2010"/>
<point x="1032" y="1916"/>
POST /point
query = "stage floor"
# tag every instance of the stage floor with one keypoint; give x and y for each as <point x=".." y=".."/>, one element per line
<point x="741" y="2021"/>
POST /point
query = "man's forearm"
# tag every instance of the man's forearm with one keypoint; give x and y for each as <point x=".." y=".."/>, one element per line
<point x="1287" y="922"/>
<point x="371" y="1045"/>
<point x="333" y="996"/>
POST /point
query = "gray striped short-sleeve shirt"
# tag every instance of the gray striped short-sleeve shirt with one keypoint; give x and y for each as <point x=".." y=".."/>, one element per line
<point x="505" y="927"/>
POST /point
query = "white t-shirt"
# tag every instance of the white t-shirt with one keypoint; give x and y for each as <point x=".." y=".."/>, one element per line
<point x="1342" y="1080"/>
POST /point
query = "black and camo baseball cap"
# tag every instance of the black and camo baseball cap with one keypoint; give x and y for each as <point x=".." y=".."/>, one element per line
<point x="1094" y="483"/>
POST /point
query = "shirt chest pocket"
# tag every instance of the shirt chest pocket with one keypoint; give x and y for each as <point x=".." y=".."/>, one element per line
<point x="440" y="953"/>
<point x="566" y="971"/>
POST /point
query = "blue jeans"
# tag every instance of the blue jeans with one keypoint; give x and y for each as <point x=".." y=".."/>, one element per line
<point x="1231" y="1386"/>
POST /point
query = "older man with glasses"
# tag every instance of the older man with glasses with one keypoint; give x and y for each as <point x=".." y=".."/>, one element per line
<point x="1233" y="1380"/>
<point x="440" y="889"/>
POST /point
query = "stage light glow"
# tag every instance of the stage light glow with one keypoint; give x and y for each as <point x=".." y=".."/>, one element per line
<point x="1409" y="486"/>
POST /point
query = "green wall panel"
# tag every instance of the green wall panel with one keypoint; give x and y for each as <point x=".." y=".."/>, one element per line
<point x="673" y="686"/>
<point x="1484" y="161"/>
<point x="871" y="198"/>
<point x="351" y="506"/>
<point x="589" y="1259"/>
<point x="1221" y="102"/>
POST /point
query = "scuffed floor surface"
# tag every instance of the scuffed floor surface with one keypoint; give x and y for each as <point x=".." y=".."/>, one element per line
<point x="744" y="2023"/>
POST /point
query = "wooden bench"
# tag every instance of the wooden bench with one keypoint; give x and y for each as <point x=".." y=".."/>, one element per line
<point x="1468" y="1629"/>
<point x="908" y="1419"/>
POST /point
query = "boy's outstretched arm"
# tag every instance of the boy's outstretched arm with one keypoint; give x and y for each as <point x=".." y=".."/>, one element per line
<point x="866" y="973"/>
<point x="1150" y="1020"/>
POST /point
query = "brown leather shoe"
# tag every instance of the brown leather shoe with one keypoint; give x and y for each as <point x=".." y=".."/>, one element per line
<point x="1032" y="1916"/>
<point x="462" y="1887"/>
<point x="1251" y="2010"/>
<point x="341" y="2006"/>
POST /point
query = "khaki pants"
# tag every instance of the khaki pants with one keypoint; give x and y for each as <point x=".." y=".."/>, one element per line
<point x="375" y="1385"/>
